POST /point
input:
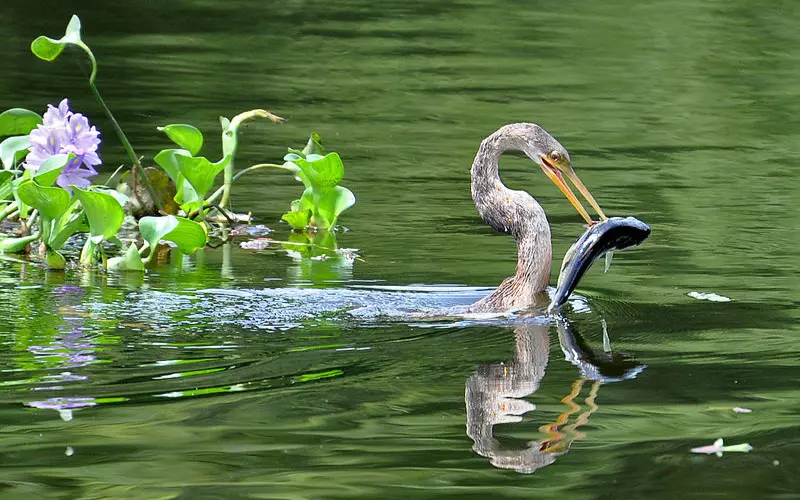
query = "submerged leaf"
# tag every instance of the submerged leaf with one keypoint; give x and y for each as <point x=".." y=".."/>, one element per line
<point x="185" y="136"/>
<point x="18" y="121"/>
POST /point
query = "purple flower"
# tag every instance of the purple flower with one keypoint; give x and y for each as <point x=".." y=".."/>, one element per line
<point x="65" y="132"/>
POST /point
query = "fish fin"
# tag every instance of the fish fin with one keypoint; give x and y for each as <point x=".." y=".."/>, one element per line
<point x="719" y="443"/>
<point x="609" y="256"/>
<point x="719" y="453"/>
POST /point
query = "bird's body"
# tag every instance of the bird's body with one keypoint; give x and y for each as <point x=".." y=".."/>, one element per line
<point x="518" y="214"/>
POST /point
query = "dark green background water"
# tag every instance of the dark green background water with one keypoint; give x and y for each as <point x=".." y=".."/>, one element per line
<point x="212" y="380"/>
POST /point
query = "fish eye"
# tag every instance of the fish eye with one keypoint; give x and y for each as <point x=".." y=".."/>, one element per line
<point x="555" y="156"/>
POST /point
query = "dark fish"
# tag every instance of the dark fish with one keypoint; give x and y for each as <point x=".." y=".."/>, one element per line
<point x="616" y="233"/>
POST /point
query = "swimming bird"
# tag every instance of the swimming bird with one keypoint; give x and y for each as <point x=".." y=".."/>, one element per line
<point x="517" y="213"/>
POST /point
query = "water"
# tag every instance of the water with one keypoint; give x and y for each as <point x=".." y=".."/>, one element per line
<point x="241" y="374"/>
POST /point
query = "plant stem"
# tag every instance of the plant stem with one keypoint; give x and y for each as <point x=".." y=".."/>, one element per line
<point x="221" y="190"/>
<point x="10" y="208"/>
<point x="136" y="169"/>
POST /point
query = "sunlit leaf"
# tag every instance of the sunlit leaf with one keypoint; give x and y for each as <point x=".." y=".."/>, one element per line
<point x="49" y="49"/>
<point x="200" y="172"/>
<point x="50" y="201"/>
<point x="14" y="149"/>
<point x="50" y="169"/>
<point x="54" y="259"/>
<point x="334" y="202"/>
<point x="16" y="245"/>
<point x="322" y="172"/>
<point x="103" y="212"/>
<point x="185" y="136"/>
<point x="189" y="235"/>
<point x="6" y="185"/>
<point x="168" y="160"/>
<point x="66" y="227"/>
<point x="154" y="229"/>
<point x="314" y="145"/>
<point x="298" y="219"/>
<point x="18" y="121"/>
<point x="130" y="261"/>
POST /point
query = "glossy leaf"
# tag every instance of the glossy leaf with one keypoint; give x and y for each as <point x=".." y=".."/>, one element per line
<point x="18" y="121"/>
<point x="14" y="149"/>
<point x="50" y="169"/>
<point x="17" y="245"/>
<point x="154" y="229"/>
<point x="49" y="49"/>
<point x="103" y="212"/>
<point x="6" y="185"/>
<point x="314" y="145"/>
<point x="187" y="234"/>
<point x="322" y="172"/>
<point x="130" y="261"/>
<point x="200" y="172"/>
<point x="334" y="202"/>
<point x="298" y="219"/>
<point x="51" y="202"/>
<point x="185" y="136"/>
<point x="64" y="227"/>
<point x="168" y="160"/>
<point x="54" y="259"/>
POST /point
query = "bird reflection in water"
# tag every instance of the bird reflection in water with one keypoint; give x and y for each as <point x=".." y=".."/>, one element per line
<point x="494" y="394"/>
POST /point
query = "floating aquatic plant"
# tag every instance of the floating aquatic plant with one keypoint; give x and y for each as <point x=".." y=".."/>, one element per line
<point x="323" y="199"/>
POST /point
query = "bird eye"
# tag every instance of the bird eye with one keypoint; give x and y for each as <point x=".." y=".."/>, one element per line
<point x="555" y="157"/>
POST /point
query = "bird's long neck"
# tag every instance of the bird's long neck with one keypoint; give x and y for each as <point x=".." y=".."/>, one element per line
<point x="515" y="213"/>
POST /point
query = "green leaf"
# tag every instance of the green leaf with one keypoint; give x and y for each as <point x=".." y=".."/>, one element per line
<point x="314" y="145"/>
<point x="51" y="202"/>
<point x="17" y="245"/>
<point x="13" y="149"/>
<point x="18" y="121"/>
<point x="128" y="262"/>
<point x="154" y="229"/>
<point x="200" y="172"/>
<point x="187" y="234"/>
<point x="49" y="49"/>
<point x="168" y="160"/>
<point x="54" y="259"/>
<point x="48" y="172"/>
<point x="185" y="136"/>
<point x="6" y="185"/>
<point x="298" y="219"/>
<point x="322" y="172"/>
<point x="334" y="202"/>
<point x="103" y="212"/>
<point x="65" y="227"/>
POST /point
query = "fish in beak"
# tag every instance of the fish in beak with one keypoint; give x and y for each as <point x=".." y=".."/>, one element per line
<point x="615" y="233"/>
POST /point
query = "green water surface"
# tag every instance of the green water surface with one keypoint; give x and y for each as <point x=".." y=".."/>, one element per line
<point x="238" y="374"/>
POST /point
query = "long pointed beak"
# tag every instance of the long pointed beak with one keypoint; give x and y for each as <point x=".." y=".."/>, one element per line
<point x="555" y="175"/>
<point x="572" y="176"/>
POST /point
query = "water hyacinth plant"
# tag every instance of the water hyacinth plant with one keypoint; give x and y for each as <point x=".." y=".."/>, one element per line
<point x="49" y="164"/>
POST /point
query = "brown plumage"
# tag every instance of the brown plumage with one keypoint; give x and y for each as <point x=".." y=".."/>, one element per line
<point x="517" y="213"/>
